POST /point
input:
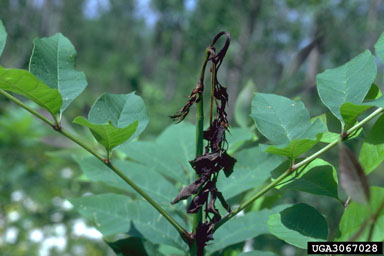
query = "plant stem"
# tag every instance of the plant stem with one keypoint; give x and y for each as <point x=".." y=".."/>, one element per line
<point x="184" y="234"/>
<point x="295" y="167"/>
<point x="21" y="104"/>
<point x="198" y="217"/>
<point x="213" y="70"/>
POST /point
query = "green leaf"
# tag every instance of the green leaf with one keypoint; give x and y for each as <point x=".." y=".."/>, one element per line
<point x="106" y="134"/>
<point x="372" y="151"/>
<point x="298" y="146"/>
<point x="347" y="83"/>
<point x="352" y="177"/>
<point x="105" y="212"/>
<point x="350" y="112"/>
<point x="114" y="214"/>
<point x="238" y="138"/>
<point x="298" y="225"/>
<point x="24" y="83"/>
<point x="53" y="61"/>
<point x="285" y="122"/>
<point x="143" y="176"/>
<point x="379" y="48"/>
<point x="257" y="253"/>
<point x="3" y="37"/>
<point x="253" y="168"/>
<point x="169" y="154"/>
<point x="121" y="110"/>
<point x="355" y="216"/>
<point x="319" y="178"/>
<point x="242" y="228"/>
<point x="243" y="105"/>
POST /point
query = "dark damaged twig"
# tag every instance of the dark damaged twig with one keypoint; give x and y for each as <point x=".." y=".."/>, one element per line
<point x="215" y="157"/>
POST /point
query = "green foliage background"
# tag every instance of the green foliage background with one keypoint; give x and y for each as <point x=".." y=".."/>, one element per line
<point x="156" y="49"/>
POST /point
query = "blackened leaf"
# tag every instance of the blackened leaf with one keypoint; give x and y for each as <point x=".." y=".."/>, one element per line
<point x="193" y="97"/>
<point x="352" y="177"/>
<point x="189" y="190"/>
<point x="223" y="202"/>
<point x="228" y="163"/>
<point x="198" y="201"/>
<point x="211" y="207"/>
<point x="208" y="161"/>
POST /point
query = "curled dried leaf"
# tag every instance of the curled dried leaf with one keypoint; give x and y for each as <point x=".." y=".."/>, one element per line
<point x="198" y="201"/>
<point x="194" y="97"/>
<point x="189" y="190"/>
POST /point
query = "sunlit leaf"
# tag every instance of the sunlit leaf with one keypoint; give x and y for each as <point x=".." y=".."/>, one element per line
<point x="347" y="83"/>
<point x="53" y="61"/>
<point x="106" y="134"/>
<point x="352" y="178"/>
<point x="298" y="225"/>
<point x="24" y="83"/>
<point x="121" y="110"/>
<point x="285" y="122"/>
<point x="319" y="178"/>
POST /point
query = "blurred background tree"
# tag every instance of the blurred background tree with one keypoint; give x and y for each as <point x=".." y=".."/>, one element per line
<point x="154" y="47"/>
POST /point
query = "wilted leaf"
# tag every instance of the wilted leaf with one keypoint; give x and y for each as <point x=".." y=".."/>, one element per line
<point x="189" y="190"/>
<point x="352" y="178"/>
<point x="53" y="61"/>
